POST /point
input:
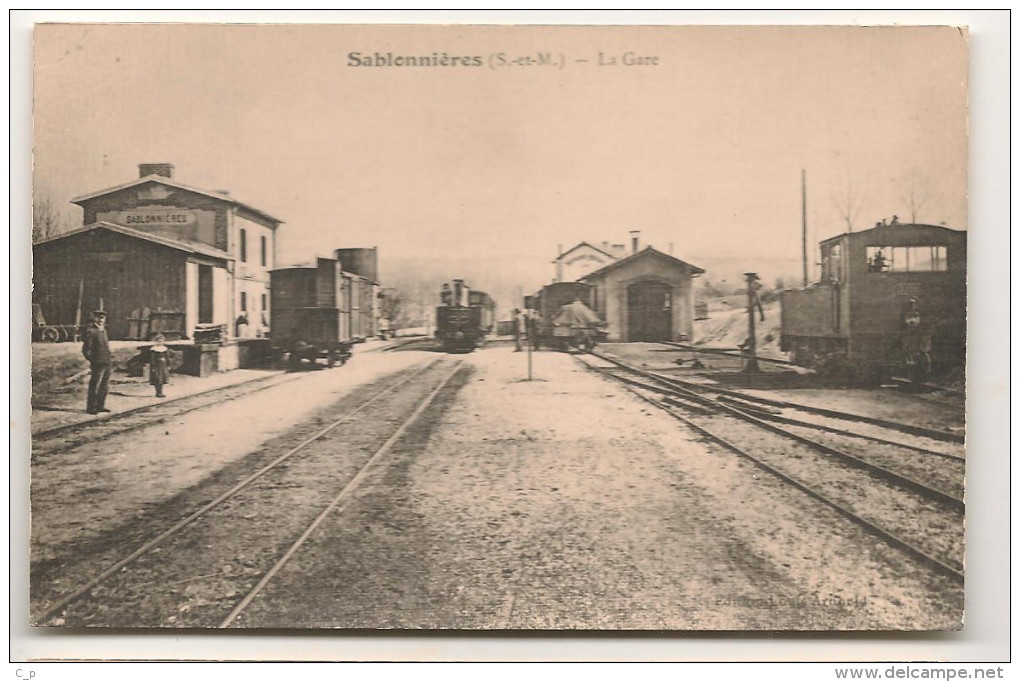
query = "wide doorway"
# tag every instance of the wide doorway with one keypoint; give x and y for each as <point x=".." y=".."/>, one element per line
<point x="649" y="312"/>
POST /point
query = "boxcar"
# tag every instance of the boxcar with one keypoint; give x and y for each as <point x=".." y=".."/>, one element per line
<point x="313" y="312"/>
<point x="464" y="317"/>
<point x="892" y="299"/>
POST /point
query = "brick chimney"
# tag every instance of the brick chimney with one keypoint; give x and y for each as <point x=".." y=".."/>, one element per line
<point x="635" y="236"/>
<point x="164" y="169"/>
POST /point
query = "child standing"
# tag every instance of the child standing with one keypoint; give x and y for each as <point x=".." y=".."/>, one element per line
<point x="159" y="364"/>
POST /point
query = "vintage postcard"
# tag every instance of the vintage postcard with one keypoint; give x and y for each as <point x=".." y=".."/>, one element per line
<point x="586" y="328"/>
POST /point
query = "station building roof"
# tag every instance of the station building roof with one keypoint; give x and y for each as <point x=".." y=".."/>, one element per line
<point x="225" y="198"/>
<point x="647" y="252"/>
<point x="575" y="247"/>
<point x="187" y="247"/>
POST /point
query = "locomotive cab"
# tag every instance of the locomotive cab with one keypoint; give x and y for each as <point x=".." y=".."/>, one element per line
<point x="890" y="300"/>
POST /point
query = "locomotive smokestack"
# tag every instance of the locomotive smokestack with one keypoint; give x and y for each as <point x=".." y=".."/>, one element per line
<point x="635" y="236"/>
<point x="458" y="292"/>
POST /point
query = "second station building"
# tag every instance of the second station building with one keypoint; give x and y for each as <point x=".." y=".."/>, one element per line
<point x="643" y="295"/>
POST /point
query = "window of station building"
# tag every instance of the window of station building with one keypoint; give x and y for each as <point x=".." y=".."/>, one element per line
<point x="264" y="306"/>
<point x="244" y="245"/>
<point x="906" y="259"/>
<point x="265" y="250"/>
<point x="244" y="301"/>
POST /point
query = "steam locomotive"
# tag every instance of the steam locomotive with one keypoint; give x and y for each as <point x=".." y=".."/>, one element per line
<point x="891" y="300"/>
<point x="464" y="317"/>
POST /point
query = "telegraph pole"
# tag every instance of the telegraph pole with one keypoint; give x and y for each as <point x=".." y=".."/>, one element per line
<point x="752" y="342"/>
<point x="803" y="221"/>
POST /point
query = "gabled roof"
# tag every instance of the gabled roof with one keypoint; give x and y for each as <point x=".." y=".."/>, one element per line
<point x="577" y="246"/>
<point x="643" y="253"/>
<point x="176" y="185"/>
<point x="187" y="247"/>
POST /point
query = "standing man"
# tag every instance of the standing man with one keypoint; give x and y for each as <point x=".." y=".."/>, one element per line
<point x="96" y="349"/>
<point x="518" y="323"/>
<point x="531" y="324"/>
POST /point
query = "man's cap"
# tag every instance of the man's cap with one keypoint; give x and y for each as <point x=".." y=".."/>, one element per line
<point x="99" y="312"/>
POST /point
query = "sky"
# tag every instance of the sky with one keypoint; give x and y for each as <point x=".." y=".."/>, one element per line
<point x="485" y="171"/>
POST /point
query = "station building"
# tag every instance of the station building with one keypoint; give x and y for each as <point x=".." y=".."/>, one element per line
<point x="159" y="255"/>
<point x="646" y="295"/>
<point x="579" y="260"/>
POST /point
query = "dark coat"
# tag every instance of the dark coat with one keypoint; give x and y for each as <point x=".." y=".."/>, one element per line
<point x="159" y="367"/>
<point x="96" y="345"/>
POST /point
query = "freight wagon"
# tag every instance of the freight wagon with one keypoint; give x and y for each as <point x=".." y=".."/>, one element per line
<point x="318" y="311"/>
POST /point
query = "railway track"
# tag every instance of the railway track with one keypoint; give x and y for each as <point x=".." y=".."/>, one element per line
<point x="888" y="424"/>
<point x="923" y="520"/>
<point x="222" y="529"/>
<point x="65" y="436"/>
<point x="919" y="390"/>
<point x="726" y="352"/>
<point x="404" y="343"/>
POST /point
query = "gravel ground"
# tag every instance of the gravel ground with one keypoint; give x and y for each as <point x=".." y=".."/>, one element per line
<point x="883" y="432"/>
<point x="883" y="403"/>
<point x="659" y="357"/>
<point x="879" y="402"/>
<point x="194" y="578"/>
<point x="566" y="502"/>
<point x="83" y="493"/>
<point x="930" y="525"/>
<point x="943" y="474"/>
<point x="927" y="524"/>
<point x="560" y="503"/>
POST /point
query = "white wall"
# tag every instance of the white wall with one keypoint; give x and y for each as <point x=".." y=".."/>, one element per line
<point x="250" y="276"/>
<point x="583" y="261"/>
<point x="252" y="267"/>
<point x="191" y="298"/>
<point x="221" y="297"/>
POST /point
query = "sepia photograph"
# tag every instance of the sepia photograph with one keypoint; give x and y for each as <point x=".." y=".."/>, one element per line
<point x="499" y="328"/>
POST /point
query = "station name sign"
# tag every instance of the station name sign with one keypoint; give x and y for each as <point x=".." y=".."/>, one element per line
<point x="159" y="217"/>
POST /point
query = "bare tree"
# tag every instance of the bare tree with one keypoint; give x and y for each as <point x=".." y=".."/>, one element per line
<point x="916" y="192"/>
<point x="394" y="306"/>
<point x="849" y="201"/>
<point x="47" y="219"/>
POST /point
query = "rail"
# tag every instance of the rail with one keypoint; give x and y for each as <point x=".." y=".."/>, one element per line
<point x="686" y="399"/>
<point x="153" y="543"/>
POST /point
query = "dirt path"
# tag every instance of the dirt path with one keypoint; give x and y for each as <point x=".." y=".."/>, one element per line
<point x="567" y="503"/>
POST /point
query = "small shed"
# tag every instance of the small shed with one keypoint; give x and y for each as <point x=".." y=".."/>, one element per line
<point x="646" y="296"/>
<point x="123" y="271"/>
